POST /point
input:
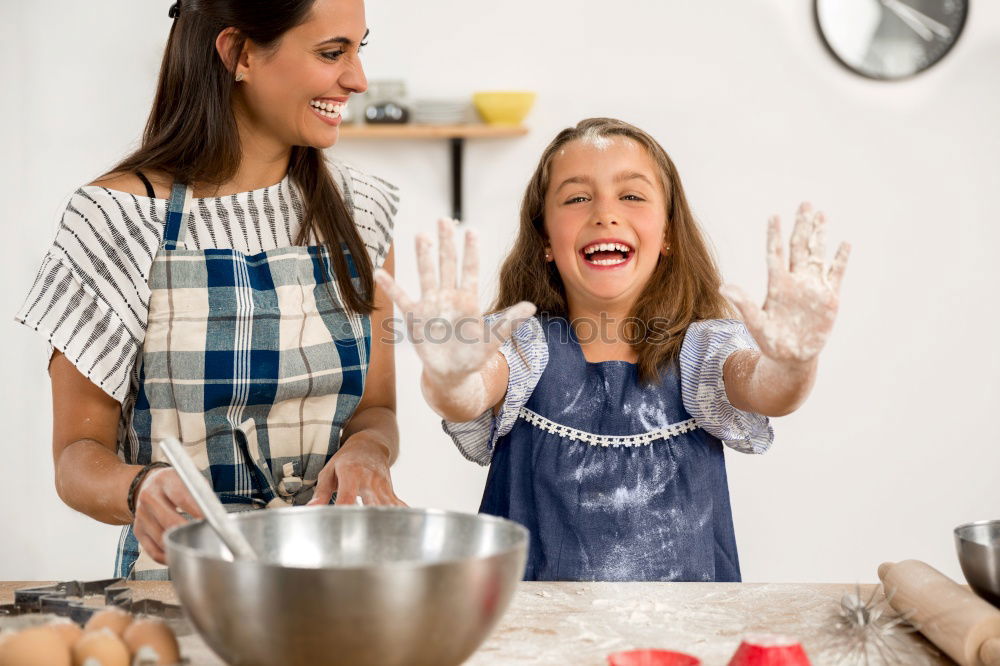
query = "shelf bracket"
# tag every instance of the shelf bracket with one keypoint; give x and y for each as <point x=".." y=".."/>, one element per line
<point x="457" y="150"/>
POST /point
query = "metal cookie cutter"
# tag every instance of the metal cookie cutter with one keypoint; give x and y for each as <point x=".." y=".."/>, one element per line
<point x="68" y="599"/>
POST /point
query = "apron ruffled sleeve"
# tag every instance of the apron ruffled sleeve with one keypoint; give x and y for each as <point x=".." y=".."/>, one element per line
<point x="707" y="345"/>
<point x="90" y="297"/>
<point x="527" y="354"/>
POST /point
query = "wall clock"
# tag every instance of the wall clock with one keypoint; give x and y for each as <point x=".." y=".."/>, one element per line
<point x="890" y="39"/>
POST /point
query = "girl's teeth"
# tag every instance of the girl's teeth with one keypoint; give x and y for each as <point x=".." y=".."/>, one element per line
<point x="607" y="247"/>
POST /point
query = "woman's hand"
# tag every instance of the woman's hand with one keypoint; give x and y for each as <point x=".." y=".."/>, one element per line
<point x="446" y="325"/>
<point x="802" y="297"/>
<point x="159" y="498"/>
<point x="360" y="468"/>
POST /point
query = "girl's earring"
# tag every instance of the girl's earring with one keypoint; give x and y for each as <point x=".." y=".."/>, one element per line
<point x="239" y="77"/>
<point x="548" y="255"/>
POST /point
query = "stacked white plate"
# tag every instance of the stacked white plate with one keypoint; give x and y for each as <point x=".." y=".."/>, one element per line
<point x="440" y="111"/>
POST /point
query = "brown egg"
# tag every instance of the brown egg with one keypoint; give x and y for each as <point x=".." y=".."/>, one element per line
<point x="37" y="646"/>
<point x="112" y="618"/>
<point x="68" y="629"/>
<point x="152" y="642"/>
<point x="100" y="648"/>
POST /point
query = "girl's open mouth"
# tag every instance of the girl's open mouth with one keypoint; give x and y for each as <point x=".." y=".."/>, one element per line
<point x="607" y="254"/>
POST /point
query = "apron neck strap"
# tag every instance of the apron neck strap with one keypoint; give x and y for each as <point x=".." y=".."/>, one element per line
<point x="177" y="212"/>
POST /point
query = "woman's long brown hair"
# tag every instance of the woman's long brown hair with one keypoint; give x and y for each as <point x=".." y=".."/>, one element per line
<point x="192" y="136"/>
<point x="683" y="288"/>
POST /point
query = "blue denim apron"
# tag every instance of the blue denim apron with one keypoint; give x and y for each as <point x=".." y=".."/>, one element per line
<point x="252" y="362"/>
<point x="613" y="478"/>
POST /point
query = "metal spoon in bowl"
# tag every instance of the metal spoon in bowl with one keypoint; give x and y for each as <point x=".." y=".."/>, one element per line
<point x="206" y="500"/>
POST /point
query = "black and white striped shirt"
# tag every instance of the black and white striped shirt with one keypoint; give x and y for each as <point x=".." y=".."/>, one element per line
<point x="90" y="298"/>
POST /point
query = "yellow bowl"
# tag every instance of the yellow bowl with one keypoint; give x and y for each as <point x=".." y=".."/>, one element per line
<point x="503" y="108"/>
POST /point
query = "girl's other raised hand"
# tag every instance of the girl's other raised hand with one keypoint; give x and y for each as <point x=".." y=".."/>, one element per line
<point x="803" y="294"/>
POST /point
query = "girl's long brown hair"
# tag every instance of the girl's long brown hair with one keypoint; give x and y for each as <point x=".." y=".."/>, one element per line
<point x="191" y="134"/>
<point x="683" y="288"/>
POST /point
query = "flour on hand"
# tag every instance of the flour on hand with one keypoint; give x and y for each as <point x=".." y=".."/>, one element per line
<point x="446" y="325"/>
<point x="802" y="296"/>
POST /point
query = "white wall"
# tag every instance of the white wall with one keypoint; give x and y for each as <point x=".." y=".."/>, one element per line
<point x="897" y="444"/>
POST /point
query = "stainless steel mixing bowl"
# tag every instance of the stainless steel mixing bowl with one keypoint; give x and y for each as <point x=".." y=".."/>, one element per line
<point x="979" y="554"/>
<point x="349" y="585"/>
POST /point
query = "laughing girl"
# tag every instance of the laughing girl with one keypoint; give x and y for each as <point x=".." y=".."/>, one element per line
<point x="603" y="417"/>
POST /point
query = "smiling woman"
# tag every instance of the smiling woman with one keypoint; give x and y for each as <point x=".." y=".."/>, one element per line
<point x="216" y="286"/>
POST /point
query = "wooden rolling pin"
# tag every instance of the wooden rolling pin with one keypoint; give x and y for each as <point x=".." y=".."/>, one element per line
<point x="963" y="625"/>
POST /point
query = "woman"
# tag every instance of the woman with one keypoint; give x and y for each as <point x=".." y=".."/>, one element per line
<point x="216" y="286"/>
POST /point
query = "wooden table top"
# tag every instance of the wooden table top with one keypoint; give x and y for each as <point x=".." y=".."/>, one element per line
<point x="581" y="623"/>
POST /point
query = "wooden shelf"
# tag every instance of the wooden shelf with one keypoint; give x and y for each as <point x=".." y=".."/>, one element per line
<point x="455" y="134"/>
<point x="410" y="131"/>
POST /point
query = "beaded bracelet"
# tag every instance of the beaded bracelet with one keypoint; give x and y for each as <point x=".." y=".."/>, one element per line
<point x="133" y="488"/>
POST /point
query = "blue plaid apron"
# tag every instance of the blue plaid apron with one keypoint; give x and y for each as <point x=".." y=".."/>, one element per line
<point x="613" y="478"/>
<point x="252" y="362"/>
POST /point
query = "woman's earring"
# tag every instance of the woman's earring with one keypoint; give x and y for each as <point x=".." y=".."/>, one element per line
<point x="548" y="255"/>
<point x="239" y="77"/>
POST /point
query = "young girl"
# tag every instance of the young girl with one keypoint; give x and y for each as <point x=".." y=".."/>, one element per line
<point x="603" y="417"/>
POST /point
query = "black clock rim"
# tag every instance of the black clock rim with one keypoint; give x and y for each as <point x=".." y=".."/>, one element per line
<point x="819" y="29"/>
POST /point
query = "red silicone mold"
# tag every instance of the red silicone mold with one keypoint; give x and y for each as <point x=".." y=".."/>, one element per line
<point x="769" y="651"/>
<point x="652" y="658"/>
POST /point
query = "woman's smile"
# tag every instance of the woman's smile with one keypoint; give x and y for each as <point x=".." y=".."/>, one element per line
<point x="328" y="109"/>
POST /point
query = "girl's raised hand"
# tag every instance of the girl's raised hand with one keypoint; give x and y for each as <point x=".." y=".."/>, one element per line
<point x="802" y="296"/>
<point x="446" y="325"/>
